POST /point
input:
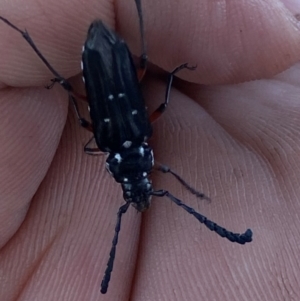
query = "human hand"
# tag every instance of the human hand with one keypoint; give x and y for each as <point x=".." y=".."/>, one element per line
<point x="237" y="143"/>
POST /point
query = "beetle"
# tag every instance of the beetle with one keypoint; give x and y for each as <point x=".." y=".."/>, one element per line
<point x="121" y="125"/>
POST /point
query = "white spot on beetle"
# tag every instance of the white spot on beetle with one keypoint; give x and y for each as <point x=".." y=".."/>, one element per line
<point x="106" y="120"/>
<point x="152" y="157"/>
<point x="110" y="97"/>
<point x="144" y="174"/>
<point x="125" y="180"/>
<point x="134" y="112"/>
<point x="83" y="79"/>
<point x="127" y="144"/>
<point x="81" y="65"/>
<point x="118" y="157"/>
<point x="142" y="151"/>
<point x="121" y="95"/>
<point x="89" y="109"/>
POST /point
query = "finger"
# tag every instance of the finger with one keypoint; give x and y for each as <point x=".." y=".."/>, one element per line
<point x="31" y="125"/>
<point x="230" y="43"/>
<point x="58" y="28"/>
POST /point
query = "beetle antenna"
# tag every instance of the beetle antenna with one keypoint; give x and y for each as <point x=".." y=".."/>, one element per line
<point x="112" y="254"/>
<point x="233" y="237"/>
<point x="167" y="169"/>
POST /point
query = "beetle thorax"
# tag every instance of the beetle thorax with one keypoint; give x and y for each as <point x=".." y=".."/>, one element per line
<point x="131" y="168"/>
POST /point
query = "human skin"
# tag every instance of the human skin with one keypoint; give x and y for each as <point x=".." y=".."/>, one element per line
<point x="237" y="143"/>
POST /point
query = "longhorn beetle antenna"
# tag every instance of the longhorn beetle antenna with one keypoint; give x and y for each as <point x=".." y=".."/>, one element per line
<point x="233" y="237"/>
<point x="112" y="253"/>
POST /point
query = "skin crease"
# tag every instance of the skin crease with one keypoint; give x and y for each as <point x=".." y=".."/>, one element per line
<point x="238" y="143"/>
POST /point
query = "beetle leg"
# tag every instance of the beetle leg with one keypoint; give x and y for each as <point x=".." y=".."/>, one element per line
<point x="166" y="169"/>
<point x="58" y="78"/>
<point x="143" y="58"/>
<point x="158" y="112"/>
<point x="94" y="151"/>
<point x="83" y="122"/>
<point x="142" y="66"/>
